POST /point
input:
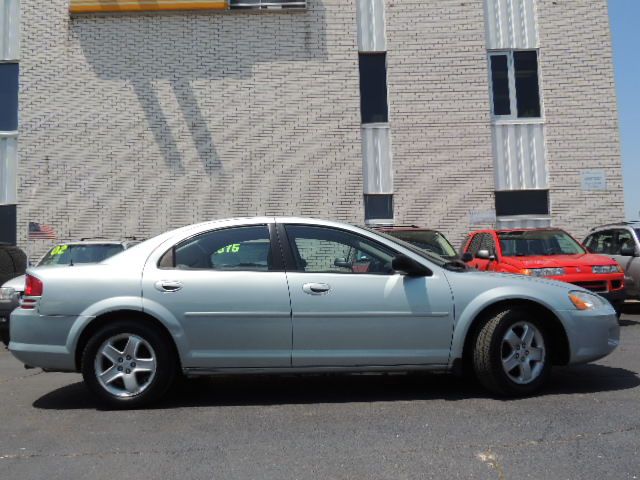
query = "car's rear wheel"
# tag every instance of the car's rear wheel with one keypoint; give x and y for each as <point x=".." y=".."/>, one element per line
<point x="127" y="364"/>
<point x="511" y="355"/>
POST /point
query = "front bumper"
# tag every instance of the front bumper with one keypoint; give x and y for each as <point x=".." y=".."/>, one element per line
<point x="43" y="341"/>
<point x="615" y="297"/>
<point x="592" y="334"/>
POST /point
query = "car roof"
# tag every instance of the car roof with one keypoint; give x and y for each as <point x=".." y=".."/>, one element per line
<point x="406" y="228"/>
<point x="510" y="230"/>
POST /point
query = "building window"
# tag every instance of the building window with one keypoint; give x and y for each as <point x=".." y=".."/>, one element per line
<point x="378" y="207"/>
<point x="515" y="86"/>
<point x="267" y="4"/>
<point x="522" y="202"/>
<point x="8" y="97"/>
<point x="374" y="105"/>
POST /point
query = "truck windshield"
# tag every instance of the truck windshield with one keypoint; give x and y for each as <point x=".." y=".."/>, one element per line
<point x="67" y="254"/>
<point x="530" y="243"/>
<point x="429" y="240"/>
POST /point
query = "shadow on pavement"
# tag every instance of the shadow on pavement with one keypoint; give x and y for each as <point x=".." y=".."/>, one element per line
<point x="311" y="389"/>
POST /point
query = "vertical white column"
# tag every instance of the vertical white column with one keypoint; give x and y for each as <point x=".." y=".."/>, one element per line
<point x="377" y="162"/>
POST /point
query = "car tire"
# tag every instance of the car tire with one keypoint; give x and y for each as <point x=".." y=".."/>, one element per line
<point x="128" y="364"/>
<point x="511" y="355"/>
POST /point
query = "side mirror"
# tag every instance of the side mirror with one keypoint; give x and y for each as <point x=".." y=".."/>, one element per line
<point x="485" y="255"/>
<point x="403" y="264"/>
<point x="629" y="251"/>
<point x="466" y="257"/>
<point x="342" y="263"/>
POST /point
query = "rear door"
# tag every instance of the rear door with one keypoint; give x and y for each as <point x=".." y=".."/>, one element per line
<point x="228" y="290"/>
<point x="350" y="308"/>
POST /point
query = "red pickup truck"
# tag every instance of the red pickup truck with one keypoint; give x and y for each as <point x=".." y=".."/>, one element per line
<point x="551" y="253"/>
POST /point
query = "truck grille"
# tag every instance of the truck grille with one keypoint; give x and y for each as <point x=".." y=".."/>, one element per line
<point x="598" y="287"/>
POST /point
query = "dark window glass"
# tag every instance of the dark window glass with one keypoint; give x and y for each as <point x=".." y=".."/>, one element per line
<point x="527" y="243"/>
<point x="373" y="88"/>
<point x="500" y="84"/>
<point x="327" y="250"/>
<point x="243" y="248"/>
<point x="488" y="244"/>
<point x="8" y="96"/>
<point x="527" y="87"/>
<point x="601" y="242"/>
<point x="84" y="253"/>
<point x="8" y="223"/>
<point x="624" y="239"/>
<point x="522" y="202"/>
<point x="378" y="207"/>
<point x="429" y="240"/>
<point x="474" y="246"/>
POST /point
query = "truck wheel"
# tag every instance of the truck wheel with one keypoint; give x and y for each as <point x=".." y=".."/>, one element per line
<point x="511" y="355"/>
<point x="128" y="364"/>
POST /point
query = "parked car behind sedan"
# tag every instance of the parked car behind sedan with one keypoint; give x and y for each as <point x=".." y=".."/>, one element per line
<point x="424" y="238"/>
<point x="64" y="254"/>
<point x="620" y="242"/>
<point x="13" y="263"/>
<point x="275" y="295"/>
<point x="550" y="253"/>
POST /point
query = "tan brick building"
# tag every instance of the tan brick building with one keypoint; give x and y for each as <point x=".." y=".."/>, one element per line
<point x="133" y="123"/>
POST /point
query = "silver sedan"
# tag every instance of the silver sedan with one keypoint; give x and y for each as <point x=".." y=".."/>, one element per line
<point x="294" y="295"/>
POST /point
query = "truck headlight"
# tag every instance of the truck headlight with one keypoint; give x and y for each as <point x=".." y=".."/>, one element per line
<point x="586" y="301"/>
<point x="544" y="272"/>
<point x="7" y="294"/>
<point x="606" y="269"/>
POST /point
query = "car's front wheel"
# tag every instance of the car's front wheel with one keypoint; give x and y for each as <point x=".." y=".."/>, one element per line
<point x="511" y="355"/>
<point x="128" y="364"/>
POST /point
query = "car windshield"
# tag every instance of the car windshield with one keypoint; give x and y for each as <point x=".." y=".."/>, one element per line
<point x="637" y="232"/>
<point x="530" y="243"/>
<point x="80" y="253"/>
<point x="432" y="257"/>
<point x="430" y="240"/>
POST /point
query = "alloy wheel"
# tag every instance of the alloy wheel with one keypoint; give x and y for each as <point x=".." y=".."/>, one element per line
<point x="523" y="353"/>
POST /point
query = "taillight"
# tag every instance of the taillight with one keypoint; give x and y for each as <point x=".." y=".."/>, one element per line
<point x="33" y="286"/>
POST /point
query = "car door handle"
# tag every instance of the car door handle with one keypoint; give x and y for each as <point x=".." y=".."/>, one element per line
<point x="168" y="286"/>
<point x="316" y="288"/>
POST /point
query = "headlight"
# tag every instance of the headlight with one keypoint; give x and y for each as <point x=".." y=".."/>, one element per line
<point x="586" y="301"/>
<point x="606" y="269"/>
<point x="7" y="293"/>
<point x="544" y="272"/>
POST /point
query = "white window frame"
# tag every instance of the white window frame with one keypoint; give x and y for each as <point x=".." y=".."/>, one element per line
<point x="513" y="99"/>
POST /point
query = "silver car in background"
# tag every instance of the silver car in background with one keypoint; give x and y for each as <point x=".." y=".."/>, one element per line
<point x="620" y="241"/>
<point x="295" y="295"/>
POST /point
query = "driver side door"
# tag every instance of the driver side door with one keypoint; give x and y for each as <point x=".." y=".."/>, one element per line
<point x="351" y="309"/>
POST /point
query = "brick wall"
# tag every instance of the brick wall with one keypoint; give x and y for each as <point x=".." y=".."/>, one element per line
<point x="581" y="112"/>
<point x="134" y="124"/>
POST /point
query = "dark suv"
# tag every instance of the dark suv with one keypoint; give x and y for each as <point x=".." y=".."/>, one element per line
<point x="13" y="263"/>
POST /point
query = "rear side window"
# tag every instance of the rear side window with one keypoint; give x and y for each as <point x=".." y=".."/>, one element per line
<point x="242" y="248"/>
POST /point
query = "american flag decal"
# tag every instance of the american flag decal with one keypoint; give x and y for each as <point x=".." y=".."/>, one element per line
<point x="41" y="231"/>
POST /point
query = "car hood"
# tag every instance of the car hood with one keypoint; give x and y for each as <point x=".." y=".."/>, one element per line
<point x="493" y="279"/>
<point x="551" y="261"/>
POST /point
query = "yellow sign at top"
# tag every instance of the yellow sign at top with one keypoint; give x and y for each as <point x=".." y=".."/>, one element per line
<point x="94" y="6"/>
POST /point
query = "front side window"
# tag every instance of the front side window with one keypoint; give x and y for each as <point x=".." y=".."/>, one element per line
<point x="488" y="244"/>
<point x="242" y="248"/>
<point x="515" y="85"/>
<point x="474" y="246"/>
<point x="601" y="242"/>
<point x="529" y="243"/>
<point x="624" y="239"/>
<point x="327" y="250"/>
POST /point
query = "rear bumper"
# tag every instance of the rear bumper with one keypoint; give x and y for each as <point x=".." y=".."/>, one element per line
<point x="42" y="341"/>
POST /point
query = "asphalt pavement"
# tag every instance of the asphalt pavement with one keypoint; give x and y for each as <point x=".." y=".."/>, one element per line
<point x="585" y="425"/>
